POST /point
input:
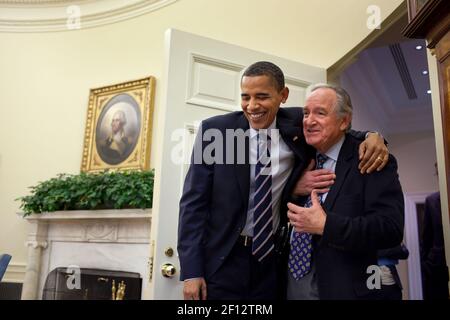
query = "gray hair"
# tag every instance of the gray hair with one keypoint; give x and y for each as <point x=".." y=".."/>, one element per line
<point x="343" y="104"/>
<point x="122" y="117"/>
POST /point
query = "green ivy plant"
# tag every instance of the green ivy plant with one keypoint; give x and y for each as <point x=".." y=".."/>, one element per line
<point x="89" y="191"/>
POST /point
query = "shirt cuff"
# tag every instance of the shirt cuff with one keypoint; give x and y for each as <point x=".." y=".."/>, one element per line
<point x="367" y="134"/>
<point x="185" y="280"/>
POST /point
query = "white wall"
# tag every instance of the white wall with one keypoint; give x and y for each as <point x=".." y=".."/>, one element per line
<point x="45" y="77"/>
<point x="416" y="155"/>
<point x="364" y="115"/>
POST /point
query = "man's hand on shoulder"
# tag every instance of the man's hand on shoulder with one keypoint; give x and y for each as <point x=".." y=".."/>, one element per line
<point x="195" y="289"/>
<point x="373" y="153"/>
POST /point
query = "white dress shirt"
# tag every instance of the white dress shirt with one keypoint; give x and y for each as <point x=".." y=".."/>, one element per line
<point x="282" y="163"/>
<point x="332" y="154"/>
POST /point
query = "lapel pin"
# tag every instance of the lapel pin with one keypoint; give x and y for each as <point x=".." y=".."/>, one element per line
<point x="295" y="138"/>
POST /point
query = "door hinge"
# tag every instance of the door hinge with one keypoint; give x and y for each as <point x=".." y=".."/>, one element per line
<point x="151" y="261"/>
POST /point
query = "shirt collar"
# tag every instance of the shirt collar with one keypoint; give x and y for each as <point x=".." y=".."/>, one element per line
<point x="333" y="152"/>
<point x="254" y="132"/>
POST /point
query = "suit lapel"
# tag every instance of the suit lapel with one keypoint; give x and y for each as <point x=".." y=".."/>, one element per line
<point x="343" y="165"/>
<point x="242" y="171"/>
<point x="291" y="135"/>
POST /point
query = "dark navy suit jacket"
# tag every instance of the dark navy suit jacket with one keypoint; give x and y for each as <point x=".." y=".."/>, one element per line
<point x="365" y="213"/>
<point x="214" y="204"/>
<point x="434" y="266"/>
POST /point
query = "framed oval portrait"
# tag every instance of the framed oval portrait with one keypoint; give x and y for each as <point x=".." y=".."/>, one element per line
<point x="119" y="127"/>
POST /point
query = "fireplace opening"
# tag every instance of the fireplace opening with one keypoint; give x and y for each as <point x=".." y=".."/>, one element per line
<point x="92" y="284"/>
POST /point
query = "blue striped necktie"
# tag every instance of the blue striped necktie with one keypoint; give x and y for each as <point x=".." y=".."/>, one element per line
<point x="263" y="243"/>
<point x="301" y="243"/>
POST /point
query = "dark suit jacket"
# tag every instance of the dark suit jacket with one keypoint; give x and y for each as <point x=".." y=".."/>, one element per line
<point x="365" y="213"/>
<point x="434" y="267"/>
<point x="214" y="204"/>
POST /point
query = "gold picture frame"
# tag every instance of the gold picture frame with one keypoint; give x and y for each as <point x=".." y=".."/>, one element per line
<point x="119" y="127"/>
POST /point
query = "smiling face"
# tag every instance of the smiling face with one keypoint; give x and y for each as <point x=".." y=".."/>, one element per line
<point x="260" y="100"/>
<point x="322" y="125"/>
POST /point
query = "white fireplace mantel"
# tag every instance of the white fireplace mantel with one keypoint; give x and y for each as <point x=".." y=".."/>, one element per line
<point x="103" y="239"/>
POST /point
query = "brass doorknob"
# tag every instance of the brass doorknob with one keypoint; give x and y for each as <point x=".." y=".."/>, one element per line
<point x="168" y="270"/>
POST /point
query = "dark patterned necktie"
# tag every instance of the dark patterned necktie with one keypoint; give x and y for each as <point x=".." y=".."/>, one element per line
<point x="301" y="242"/>
<point x="263" y="243"/>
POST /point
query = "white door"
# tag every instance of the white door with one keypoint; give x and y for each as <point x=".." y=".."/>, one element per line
<point x="202" y="79"/>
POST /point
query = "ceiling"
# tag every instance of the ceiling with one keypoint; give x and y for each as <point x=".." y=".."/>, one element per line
<point x="64" y="15"/>
<point x="399" y="69"/>
<point x="389" y="79"/>
<point x="39" y="2"/>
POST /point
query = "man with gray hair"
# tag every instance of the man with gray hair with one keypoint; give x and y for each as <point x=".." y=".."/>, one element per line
<point x="117" y="145"/>
<point x="336" y="234"/>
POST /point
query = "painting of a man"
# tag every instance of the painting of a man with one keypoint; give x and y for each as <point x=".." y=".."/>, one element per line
<point x="117" y="135"/>
<point x="117" y="144"/>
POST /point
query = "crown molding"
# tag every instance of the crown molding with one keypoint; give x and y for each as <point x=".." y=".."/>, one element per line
<point x="69" y="15"/>
<point x="39" y="2"/>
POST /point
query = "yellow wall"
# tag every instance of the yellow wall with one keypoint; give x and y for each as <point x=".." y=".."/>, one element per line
<point x="45" y="77"/>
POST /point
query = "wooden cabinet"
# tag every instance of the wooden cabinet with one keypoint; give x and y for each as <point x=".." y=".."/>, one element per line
<point x="430" y="20"/>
